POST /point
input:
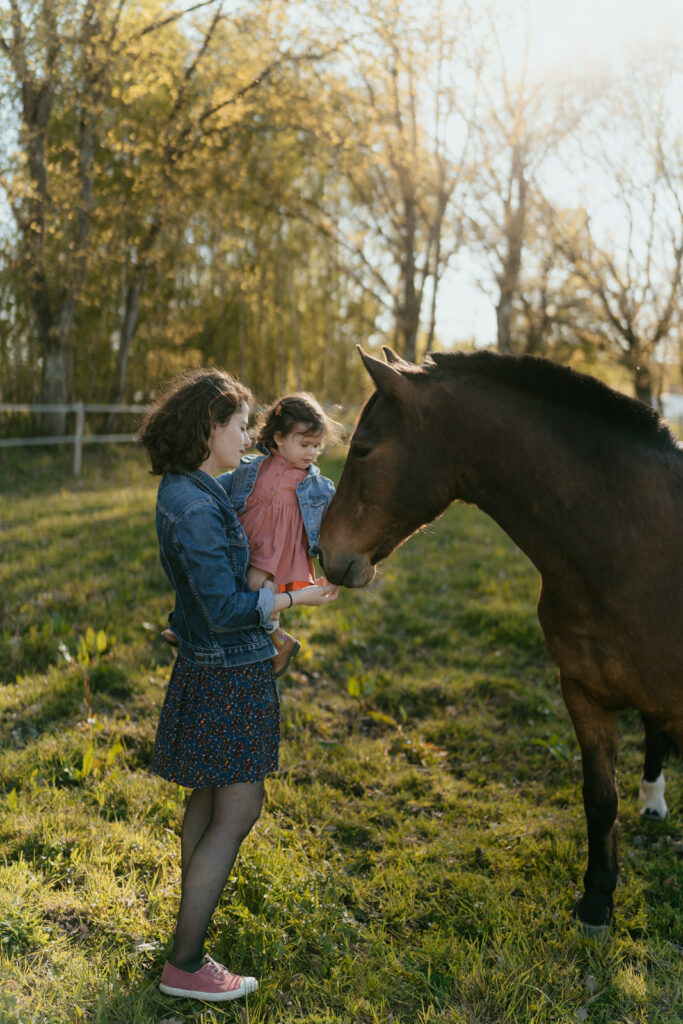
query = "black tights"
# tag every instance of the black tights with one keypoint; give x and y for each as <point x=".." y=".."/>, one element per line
<point x="215" y="823"/>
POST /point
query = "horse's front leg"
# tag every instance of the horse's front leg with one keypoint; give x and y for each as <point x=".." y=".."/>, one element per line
<point x="596" y="731"/>
<point x="651" y="795"/>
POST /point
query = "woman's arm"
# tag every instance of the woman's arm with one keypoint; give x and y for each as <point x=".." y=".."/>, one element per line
<point x="202" y="546"/>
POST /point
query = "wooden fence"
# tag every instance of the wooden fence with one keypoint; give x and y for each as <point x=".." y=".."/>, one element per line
<point x="79" y="437"/>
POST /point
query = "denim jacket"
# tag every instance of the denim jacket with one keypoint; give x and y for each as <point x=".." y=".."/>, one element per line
<point x="205" y="554"/>
<point x="315" y="492"/>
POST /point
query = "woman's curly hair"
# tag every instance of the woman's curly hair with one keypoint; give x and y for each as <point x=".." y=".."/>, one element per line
<point x="291" y="411"/>
<point x="176" y="430"/>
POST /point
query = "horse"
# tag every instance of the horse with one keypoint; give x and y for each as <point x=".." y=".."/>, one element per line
<point x="589" y="484"/>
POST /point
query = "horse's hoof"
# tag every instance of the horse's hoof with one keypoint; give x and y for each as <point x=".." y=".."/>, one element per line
<point x="651" y="796"/>
<point x="653" y="814"/>
<point x="598" y="932"/>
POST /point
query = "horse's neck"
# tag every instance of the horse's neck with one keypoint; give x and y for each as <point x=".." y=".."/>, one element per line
<point x="527" y="474"/>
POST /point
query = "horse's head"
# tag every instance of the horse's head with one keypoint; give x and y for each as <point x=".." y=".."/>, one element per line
<point x="391" y="483"/>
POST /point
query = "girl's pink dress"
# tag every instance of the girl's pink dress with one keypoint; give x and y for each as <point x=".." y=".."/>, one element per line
<point x="273" y="524"/>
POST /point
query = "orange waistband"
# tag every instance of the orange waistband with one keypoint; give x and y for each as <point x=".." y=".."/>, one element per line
<point x="297" y="585"/>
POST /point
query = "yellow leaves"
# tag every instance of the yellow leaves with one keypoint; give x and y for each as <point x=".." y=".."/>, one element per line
<point x="145" y="88"/>
<point x="140" y="90"/>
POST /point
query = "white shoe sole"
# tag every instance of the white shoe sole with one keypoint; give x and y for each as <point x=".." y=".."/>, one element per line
<point x="249" y="985"/>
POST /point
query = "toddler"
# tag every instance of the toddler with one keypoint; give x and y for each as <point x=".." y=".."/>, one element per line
<point x="280" y="498"/>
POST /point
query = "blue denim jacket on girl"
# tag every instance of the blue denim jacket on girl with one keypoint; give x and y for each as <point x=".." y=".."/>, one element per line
<point x="315" y="492"/>
<point x="205" y="554"/>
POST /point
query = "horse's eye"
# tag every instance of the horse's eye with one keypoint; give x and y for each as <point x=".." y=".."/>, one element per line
<point x="359" y="451"/>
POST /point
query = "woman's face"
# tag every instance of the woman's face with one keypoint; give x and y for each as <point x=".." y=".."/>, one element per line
<point x="228" y="442"/>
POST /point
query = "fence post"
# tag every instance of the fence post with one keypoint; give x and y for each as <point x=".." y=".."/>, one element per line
<point x="79" y="409"/>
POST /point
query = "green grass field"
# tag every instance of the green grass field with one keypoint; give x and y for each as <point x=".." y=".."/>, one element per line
<point x="421" y="846"/>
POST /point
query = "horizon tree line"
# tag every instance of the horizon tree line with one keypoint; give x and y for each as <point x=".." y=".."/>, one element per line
<point x="267" y="187"/>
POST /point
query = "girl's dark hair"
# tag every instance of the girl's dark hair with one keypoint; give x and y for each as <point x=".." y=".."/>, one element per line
<point x="176" y="430"/>
<point x="292" y="411"/>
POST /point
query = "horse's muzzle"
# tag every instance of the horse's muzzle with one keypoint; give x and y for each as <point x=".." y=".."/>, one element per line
<point x="347" y="570"/>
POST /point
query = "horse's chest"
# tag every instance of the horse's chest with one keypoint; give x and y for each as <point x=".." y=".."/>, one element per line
<point x="600" y="665"/>
<point x="588" y="649"/>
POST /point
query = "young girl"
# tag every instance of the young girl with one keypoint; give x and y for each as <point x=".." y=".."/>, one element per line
<point x="280" y="498"/>
<point x="219" y="728"/>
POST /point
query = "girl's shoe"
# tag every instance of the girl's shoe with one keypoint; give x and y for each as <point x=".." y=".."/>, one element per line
<point x="170" y="637"/>
<point x="287" y="647"/>
<point x="212" y="982"/>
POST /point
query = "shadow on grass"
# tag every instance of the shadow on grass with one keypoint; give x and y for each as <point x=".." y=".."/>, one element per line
<point x="38" y="471"/>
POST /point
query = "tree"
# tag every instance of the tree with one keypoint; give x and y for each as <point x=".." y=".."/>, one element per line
<point x="627" y="249"/>
<point x="117" y="113"/>
<point x="393" y="118"/>
<point x="60" y="64"/>
<point x="518" y="127"/>
<point x="17" y="342"/>
<point x="242" y="280"/>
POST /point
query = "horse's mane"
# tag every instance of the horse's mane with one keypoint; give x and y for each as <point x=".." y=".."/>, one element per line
<point x="558" y="384"/>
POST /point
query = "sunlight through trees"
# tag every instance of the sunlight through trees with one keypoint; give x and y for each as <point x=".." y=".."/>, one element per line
<point x="265" y="185"/>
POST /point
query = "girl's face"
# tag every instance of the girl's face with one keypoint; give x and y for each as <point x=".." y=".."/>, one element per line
<point x="228" y="442"/>
<point x="300" y="447"/>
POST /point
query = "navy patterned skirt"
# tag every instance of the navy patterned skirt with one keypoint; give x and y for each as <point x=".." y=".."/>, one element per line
<point x="218" y="726"/>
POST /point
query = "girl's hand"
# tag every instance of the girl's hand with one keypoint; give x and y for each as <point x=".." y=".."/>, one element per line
<point x="319" y="594"/>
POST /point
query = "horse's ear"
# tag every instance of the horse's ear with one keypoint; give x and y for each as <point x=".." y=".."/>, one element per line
<point x="393" y="357"/>
<point x="386" y="378"/>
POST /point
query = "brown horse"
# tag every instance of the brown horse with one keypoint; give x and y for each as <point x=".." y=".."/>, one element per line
<point x="589" y="484"/>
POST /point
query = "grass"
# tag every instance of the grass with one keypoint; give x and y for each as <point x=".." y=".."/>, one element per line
<point x="421" y="846"/>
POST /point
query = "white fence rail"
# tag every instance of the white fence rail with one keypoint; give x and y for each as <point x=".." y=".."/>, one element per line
<point x="79" y="437"/>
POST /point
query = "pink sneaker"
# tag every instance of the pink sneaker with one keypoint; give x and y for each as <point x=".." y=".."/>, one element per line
<point x="212" y="982"/>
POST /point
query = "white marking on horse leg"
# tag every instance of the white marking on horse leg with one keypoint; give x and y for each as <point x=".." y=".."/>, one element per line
<point x="651" y="797"/>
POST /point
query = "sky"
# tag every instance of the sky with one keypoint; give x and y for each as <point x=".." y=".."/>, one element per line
<point x="563" y="34"/>
<point x="594" y="29"/>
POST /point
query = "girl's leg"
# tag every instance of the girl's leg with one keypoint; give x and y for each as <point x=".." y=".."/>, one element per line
<point x="197" y="817"/>
<point x="234" y="811"/>
<point x="256" y="578"/>
<point x="286" y="645"/>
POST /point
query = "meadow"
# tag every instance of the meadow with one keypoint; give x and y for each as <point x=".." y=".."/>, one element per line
<point x="421" y="846"/>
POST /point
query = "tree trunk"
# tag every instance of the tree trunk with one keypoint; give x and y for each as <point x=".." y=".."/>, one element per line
<point x="128" y="325"/>
<point x="53" y="332"/>
<point x="408" y="311"/>
<point x="515" y="219"/>
<point x="642" y="382"/>
<point x="242" y="333"/>
<point x="130" y="317"/>
<point x="55" y="388"/>
<point x="503" y="318"/>
<point x="295" y="333"/>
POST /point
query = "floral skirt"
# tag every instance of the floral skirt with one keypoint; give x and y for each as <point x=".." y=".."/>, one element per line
<point x="218" y="726"/>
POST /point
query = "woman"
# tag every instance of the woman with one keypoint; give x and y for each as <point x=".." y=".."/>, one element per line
<point x="219" y="729"/>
